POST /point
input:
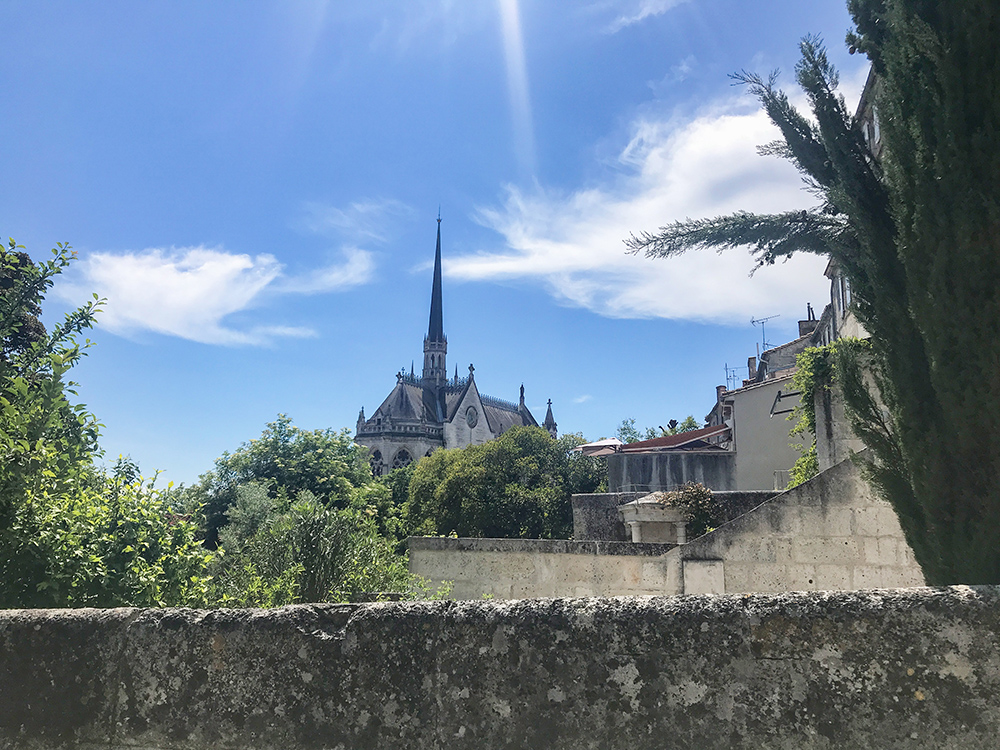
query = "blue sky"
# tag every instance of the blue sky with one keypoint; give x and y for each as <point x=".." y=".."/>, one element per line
<point x="253" y="186"/>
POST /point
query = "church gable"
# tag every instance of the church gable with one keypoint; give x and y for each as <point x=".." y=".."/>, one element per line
<point x="468" y="423"/>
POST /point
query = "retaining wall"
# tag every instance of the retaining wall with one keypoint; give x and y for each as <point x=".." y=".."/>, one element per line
<point x="830" y="533"/>
<point x="526" y="568"/>
<point x="916" y="668"/>
<point x="595" y="516"/>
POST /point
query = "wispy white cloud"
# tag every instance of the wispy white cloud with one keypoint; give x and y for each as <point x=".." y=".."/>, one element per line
<point x="517" y="84"/>
<point x="632" y="12"/>
<point x="190" y="292"/>
<point x="670" y="169"/>
<point x="358" y="268"/>
<point x="366" y="220"/>
<point x="582" y="399"/>
<point x="676" y="74"/>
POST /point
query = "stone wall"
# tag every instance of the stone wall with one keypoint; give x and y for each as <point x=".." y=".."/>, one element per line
<point x="835" y="441"/>
<point x="524" y="568"/>
<point x="668" y="470"/>
<point x="886" y="670"/>
<point x="732" y="505"/>
<point x="595" y="516"/>
<point x="828" y="533"/>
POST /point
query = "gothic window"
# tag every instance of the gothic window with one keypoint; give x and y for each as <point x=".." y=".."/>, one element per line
<point x="376" y="463"/>
<point x="403" y="458"/>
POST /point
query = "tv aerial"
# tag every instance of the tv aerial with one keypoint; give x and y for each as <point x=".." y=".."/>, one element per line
<point x="764" y="346"/>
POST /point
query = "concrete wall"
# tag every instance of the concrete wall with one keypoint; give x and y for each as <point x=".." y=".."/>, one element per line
<point x="829" y="533"/>
<point x="595" y="516"/>
<point x="892" y="670"/>
<point x="651" y="472"/>
<point x="524" y="568"/>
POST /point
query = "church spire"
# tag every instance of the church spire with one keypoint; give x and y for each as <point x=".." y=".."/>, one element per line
<point x="435" y="344"/>
<point x="550" y="422"/>
<point x="435" y="330"/>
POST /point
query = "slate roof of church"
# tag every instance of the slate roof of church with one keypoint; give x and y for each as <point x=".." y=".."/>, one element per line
<point x="410" y="400"/>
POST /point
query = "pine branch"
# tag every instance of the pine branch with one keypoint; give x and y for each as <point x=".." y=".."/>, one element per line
<point x="770" y="236"/>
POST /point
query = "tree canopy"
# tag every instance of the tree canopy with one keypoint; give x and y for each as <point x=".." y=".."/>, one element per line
<point x="915" y="232"/>
<point x="517" y="486"/>
<point x="285" y="460"/>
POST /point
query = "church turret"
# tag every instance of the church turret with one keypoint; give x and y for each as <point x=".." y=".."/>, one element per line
<point x="435" y="343"/>
<point x="550" y="422"/>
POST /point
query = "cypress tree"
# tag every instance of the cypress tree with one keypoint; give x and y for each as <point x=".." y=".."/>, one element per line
<point x="917" y="233"/>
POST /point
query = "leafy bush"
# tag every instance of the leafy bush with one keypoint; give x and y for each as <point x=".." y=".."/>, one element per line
<point x="115" y="544"/>
<point x="274" y="554"/>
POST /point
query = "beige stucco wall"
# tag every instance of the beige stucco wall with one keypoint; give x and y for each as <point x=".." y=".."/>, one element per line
<point x="762" y="442"/>
<point x="830" y="533"/>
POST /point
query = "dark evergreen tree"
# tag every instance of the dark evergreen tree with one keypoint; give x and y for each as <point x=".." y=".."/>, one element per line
<point x="917" y="233"/>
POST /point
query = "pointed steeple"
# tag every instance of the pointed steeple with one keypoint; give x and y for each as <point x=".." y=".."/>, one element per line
<point x="435" y="329"/>
<point x="550" y="422"/>
<point x="435" y="372"/>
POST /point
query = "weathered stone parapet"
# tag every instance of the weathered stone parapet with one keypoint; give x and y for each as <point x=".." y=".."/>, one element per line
<point x="913" y="668"/>
<point x="536" y="546"/>
<point x="528" y="568"/>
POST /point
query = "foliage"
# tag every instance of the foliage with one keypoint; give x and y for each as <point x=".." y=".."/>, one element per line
<point x="689" y="423"/>
<point x="517" y="486"/>
<point x="915" y="234"/>
<point x="72" y="535"/>
<point x="276" y="553"/>
<point x="627" y="432"/>
<point x="700" y="509"/>
<point x="45" y="442"/>
<point x="584" y="474"/>
<point x="115" y="544"/>
<point x="817" y="369"/>
<point x="286" y="460"/>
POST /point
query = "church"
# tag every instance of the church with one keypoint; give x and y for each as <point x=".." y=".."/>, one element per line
<point x="435" y="411"/>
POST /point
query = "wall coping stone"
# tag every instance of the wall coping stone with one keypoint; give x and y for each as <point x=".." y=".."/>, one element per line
<point x="538" y="546"/>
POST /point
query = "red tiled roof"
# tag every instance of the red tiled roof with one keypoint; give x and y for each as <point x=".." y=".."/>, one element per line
<point x="676" y="441"/>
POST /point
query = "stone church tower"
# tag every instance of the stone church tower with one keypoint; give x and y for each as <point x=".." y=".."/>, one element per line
<point x="433" y="411"/>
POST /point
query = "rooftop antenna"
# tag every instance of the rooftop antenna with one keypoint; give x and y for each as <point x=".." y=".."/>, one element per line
<point x="764" y="346"/>
<point x="732" y="377"/>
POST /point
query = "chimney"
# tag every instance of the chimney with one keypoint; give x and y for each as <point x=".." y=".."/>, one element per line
<point x="808" y="325"/>
<point x="751" y="368"/>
